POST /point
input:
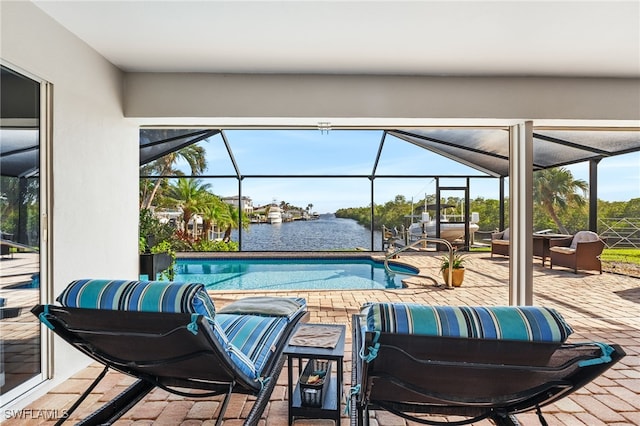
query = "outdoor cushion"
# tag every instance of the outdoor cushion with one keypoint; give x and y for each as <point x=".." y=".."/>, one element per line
<point x="265" y="305"/>
<point x="583" y="237"/>
<point x="521" y="323"/>
<point x="251" y="332"/>
<point x="502" y="237"/>
<point x="247" y="338"/>
<point x="410" y="375"/>
<point x="563" y="250"/>
<point x="251" y="339"/>
<point x="167" y="336"/>
<point x="145" y="296"/>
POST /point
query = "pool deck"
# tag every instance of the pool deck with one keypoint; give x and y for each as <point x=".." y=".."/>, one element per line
<point x="599" y="307"/>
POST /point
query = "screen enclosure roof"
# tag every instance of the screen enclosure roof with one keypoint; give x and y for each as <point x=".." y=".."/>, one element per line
<point x="483" y="149"/>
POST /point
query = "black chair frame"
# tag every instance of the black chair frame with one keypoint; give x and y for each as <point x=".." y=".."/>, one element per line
<point x="414" y="375"/>
<point x="165" y="350"/>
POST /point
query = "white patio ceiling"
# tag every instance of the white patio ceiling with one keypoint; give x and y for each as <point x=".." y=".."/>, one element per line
<point x="470" y="38"/>
<point x="457" y="38"/>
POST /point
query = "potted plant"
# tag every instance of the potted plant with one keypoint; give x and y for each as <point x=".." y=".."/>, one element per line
<point x="457" y="269"/>
<point x="157" y="255"/>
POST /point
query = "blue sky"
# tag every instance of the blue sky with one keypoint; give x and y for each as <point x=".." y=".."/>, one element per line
<point x="309" y="152"/>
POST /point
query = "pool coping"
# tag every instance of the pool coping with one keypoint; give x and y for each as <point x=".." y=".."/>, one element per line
<point x="278" y="254"/>
<point x="375" y="256"/>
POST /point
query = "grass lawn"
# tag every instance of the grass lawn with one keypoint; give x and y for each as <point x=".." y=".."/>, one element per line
<point x="625" y="255"/>
<point x="480" y="249"/>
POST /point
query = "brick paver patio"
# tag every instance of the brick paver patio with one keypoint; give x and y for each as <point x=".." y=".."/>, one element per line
<point x="599" y="307"/>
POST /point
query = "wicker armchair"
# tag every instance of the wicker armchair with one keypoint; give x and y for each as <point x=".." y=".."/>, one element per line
<point x="500" y="243"/>
<point x="5" y="246"/>
<point x="582" y="251"/>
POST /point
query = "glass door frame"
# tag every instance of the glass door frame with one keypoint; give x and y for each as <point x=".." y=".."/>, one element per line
<point x="45" y="128"/>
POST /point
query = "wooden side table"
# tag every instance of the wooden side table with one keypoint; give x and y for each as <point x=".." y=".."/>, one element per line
<point x="330" y="408"/>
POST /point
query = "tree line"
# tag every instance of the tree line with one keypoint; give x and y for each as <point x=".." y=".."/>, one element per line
<point x="559" y="203"/>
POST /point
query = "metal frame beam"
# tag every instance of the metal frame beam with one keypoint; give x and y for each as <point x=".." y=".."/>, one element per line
<point x="593" y="195"/>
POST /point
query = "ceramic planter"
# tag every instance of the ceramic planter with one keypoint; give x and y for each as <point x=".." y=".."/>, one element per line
<point x="457" y="276"/>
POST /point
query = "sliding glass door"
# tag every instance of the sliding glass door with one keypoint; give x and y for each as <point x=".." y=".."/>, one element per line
<point x="22" y="221"/>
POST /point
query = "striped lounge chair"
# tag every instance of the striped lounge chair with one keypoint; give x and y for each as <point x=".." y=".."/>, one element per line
<point x="169" y="335"/>
<point x="476" y="362"/>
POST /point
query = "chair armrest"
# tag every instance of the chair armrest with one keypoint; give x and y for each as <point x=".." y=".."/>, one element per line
<point x="560" y="242"/>
<point x="590" y="248"/>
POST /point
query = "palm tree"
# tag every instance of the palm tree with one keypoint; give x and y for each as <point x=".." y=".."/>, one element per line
<point x="555" y="189"/>
<point x="216" y="212"/>
<point x="209" y="211"/>
<point x="194" y="155"/>
<point x="189" y="194"/>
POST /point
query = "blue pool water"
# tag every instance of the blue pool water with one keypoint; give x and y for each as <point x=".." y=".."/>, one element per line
<point x="290" y="274"/>
<point x="34" y="283"/>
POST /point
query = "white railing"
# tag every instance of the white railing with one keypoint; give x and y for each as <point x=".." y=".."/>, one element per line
<point x="620" y="232"/>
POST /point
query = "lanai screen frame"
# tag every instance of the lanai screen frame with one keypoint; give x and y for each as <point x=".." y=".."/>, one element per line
<point x="150" y="152"/>
<point x="489" y="158"/>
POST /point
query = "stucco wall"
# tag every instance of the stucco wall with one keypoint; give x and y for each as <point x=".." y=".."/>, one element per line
<point x="95" y="156"/>
<point x="388" y="97"/>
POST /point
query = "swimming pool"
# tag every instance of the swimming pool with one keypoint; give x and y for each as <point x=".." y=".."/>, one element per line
<point x="295" y="273"/>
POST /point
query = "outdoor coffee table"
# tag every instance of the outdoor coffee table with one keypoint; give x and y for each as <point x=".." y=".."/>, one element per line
<point x="541" y="244"/>
<point x="330" y="408"/>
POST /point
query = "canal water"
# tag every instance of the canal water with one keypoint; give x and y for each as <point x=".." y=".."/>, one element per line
<point x="325" y="233"/>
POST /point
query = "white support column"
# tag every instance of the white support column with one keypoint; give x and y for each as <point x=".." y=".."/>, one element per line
<point x="521" y="214"/>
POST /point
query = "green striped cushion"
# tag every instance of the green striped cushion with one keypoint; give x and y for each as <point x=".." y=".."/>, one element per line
<point x="145" y="296"/>
<point x="523" y="323"/>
